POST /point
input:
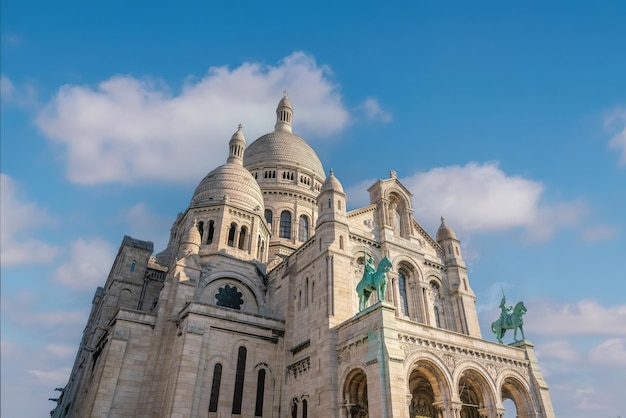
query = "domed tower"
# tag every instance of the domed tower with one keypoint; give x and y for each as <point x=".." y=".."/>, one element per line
<point x="227" y="209"/>
<point x="290" y="175"/>
<point x="332" y="223"/>
<point x="450" y="244"/>
<point x="460" y="290"/>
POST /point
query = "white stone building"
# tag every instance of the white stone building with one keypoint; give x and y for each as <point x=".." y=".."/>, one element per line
<point x="251" y="311"/>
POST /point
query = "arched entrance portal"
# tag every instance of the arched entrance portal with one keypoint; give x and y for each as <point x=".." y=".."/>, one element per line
<point x="428" y="390"/>
<point x="422" y="396"/>
<point x="469" y="398"/>
<point x="355" y="395"/>
<point x="476" y="396"/>
<point x="520" y="403"/>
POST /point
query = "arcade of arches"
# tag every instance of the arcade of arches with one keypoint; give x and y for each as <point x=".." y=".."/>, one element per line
<point x="430" y="394"/>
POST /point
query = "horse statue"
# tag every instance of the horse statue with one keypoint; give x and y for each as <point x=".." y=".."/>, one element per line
<point x="508" y="320"/>
<point x="373" y="280"/>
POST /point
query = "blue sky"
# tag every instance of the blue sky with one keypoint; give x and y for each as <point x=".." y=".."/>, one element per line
<point x="507" y="119"/>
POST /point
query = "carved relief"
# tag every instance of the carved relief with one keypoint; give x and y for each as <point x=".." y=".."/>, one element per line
<point x="449" y="361"/>
<point x="355" y="350"/>
<point x="298" y="368"/>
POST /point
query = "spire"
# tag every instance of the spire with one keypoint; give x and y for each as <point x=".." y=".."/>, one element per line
<point x="284" y="112"/>
<point x="236" y="147"/>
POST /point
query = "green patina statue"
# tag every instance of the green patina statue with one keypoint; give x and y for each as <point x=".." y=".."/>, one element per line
<point x="509" y="320"/>
<point x="374" y="280"/>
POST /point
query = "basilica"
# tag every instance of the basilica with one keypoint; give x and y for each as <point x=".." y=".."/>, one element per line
<point x="252" y="310"/>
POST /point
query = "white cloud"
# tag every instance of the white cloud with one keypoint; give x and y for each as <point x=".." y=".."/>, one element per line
<point x="598" y="233"/>
<point x="144" y="224"/>
<point x="475" y="197"/>
<point x="127" y="129"/>
<point x="585" y="317"/>
<point x="616" y="124"/>
<point x="18" y="219"/>
<point x="560" y="350"/>
<point x="24" y="95"/>
<point x="89" y="264"/>
<point x="611" y="352"/>
<point x="373" y="111"/>
<point x="481" y="198"/>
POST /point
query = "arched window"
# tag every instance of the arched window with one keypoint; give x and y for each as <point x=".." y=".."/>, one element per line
<point x="211" y="232"/>
<point x="285" y="225"/>
<point x="303" y="230"/>
<point x="338" y="204"/>
<point x="239" y="376"/>
<point x="215" y="387"/>
<point x="403" y="303"/>
<point x="132" y="266"/>
<point x="201" y="230"/>
<point x="231" y="234"/>
<point x="242" y="238"/>
<point x="306" y="293"/>
<point x="435" y="293"/>
<point x="305" y="408"/>
<point x="260" y="391"/>
<point x="268" y="216"/>
<point x="294" y="409"/>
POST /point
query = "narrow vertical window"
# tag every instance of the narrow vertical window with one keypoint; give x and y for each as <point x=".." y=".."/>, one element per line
<point x="132" y="266"/>
<point x="437" y="320"/>
<point x="241" y="371"/>
<point x="403" y="302"/>
<point x="285" y="225"/>
<point x="215" y="387"/>
<point x="294" y="409"/>
<point x="341" y="242"/>
<point x="201" y="230"/>
<point x="231" y="234"/>
<point x="268" y="216"/>
<point x="260" y="392"/>
<point x="305" y="408"/>
<point x="306" y="293"/>
<point x="303" y="230"/>
<point x="242" y="238"/>
<point x="211" y="232"/>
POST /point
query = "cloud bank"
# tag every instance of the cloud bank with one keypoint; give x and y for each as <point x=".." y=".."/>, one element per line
<point x="483" y="198"/>
<point x="19" y="221"/>
<point x="128" y="129"/>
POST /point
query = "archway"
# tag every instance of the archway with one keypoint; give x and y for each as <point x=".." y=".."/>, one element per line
<point x="422" y="396"/>
<point x="516" y="399"/>
<point x="475" y="395"/>
<point x="428" y="389"/>
<point x="355" y="395"/>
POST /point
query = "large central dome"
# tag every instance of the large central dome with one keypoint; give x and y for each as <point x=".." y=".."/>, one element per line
<point x="282" y="148"/>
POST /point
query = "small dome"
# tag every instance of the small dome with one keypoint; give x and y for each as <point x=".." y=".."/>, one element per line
<point x="285" y="102"/>
<point x="331" y="183"/>
<point x="192" y="235"/>
<point x="230" y="181"/>
<point x="444" y="231"/>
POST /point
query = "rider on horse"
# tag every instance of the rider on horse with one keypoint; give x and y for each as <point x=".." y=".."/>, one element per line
<point x="505" y="315"/>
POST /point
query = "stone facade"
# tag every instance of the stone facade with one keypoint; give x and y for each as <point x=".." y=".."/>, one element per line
<point x="251" y="310"/>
